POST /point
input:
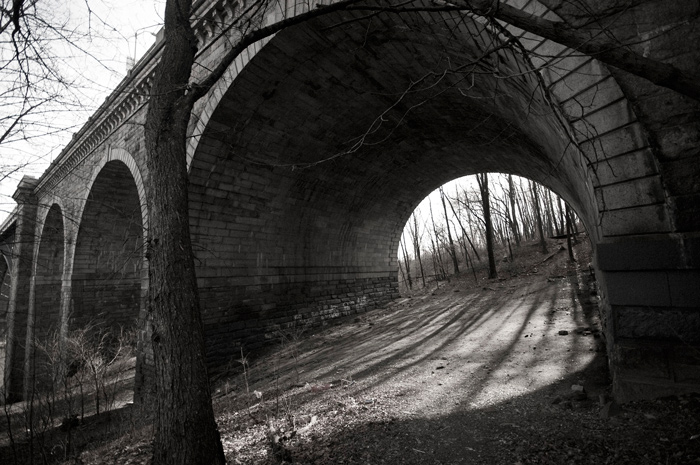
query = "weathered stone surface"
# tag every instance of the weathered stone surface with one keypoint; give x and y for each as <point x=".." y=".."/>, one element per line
<point x="295" y="222"/>
<point x="659" y="323"/>
<point x="649" y="253"/>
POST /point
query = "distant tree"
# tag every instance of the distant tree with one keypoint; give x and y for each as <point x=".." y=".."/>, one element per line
<point x="437" y="255"/>
<point x="512" y="218"/>
<point x="451" y="244"/>
<point x="483" y="181"/>
<point x="538" y="215"/>
<point x="569" y="232"/>
<point x="407" y="264"/>
<point x="461" y="225"/>
<point x="414" y="235"/>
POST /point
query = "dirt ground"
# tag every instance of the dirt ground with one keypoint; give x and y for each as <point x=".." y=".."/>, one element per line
<point x="506" y="371"/>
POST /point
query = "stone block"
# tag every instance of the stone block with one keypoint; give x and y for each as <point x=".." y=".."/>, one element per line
<point x="602" y="93"/>
<point x="571" y="74"/>
<point x="667" y="324"/>
<point x="637" y="192"/>
<point x="619" y="141"/>
<point x="647" y="361"/>
<point x="653" y="253"/>
<point x="604" y="120"/>
<point x="685" y="289"/>
<point x="687" y="208"/>
<point x="625" y="167"/>
<point x="630" y="390"/>
<point x="678" y="141"/>
<point x="681" y="176"/>
<point x="550" y="49"/>
<point x="638" y="220"/>
<point x="643" y="288"/>
<point x="685" y="364"/>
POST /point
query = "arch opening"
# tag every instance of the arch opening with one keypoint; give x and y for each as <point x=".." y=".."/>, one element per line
<point x="42" y="364"/>
<point x="106" y="281"/>
<point x="445" y="235"/>
<point x="49" y="276"/>
<point x="300" y="186"/>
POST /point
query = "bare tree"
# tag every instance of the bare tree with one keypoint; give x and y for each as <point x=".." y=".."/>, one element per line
<point x="453" y="252"/>
<point x="538" y="215"/>
<point x="437" y="256"/>
<point x="512" y="219"/>
<point x="407" y="264"/>
<point x="569" y="232"/>
<point x="415" y="236"/>
<point x="483" y="180"/>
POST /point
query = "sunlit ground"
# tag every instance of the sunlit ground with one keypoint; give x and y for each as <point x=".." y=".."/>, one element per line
<point x="481" y="348"/>
<point x="424" y="364"/>
<point x="466" y="374"/>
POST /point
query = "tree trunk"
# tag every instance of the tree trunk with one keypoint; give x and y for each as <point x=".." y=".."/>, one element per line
<point x="574" y="226"/>
<point x="407" y="264"/>
<point x="483" y="181"/>
<point x="522" y="206"/>
<point x="434" y="259"/>
<point x="453" y="251"/>
<point x="553" y="226"/>
<point x="403" y="275"/>
<point x="568" y="234"/>
<point x="416" y="246"/>
<point x="464" y="232"/>
<point x="561" y="216"/>
<point x="436" y="245"/>
<point x="513" y="219"/>
<point x="185" y="429"/>
<point x="538" y="216"/>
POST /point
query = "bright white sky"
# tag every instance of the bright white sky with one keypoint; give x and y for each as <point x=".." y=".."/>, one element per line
<point x="117" y="30"/>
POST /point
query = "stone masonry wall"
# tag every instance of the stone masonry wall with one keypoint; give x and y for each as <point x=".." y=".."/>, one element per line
<point x="251" y="320"/>
<point x="106" y="278"/>
<point x="283" y="240"/>
<point x="651" y="276"/>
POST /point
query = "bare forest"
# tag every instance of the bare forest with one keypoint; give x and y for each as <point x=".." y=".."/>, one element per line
<point x="469" y="225"/>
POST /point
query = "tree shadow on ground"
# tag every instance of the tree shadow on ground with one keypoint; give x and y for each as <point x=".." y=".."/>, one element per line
<point x="528" y="429"/>
<point x="480" y="378"/>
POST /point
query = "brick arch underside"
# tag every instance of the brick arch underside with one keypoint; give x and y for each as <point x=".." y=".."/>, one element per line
<point x="48" y="276"/>
<point x="286" y="231"/>
<point x="106" y="278"/>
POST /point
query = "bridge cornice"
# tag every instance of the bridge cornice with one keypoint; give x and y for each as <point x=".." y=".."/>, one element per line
<point x="132" y="93"/>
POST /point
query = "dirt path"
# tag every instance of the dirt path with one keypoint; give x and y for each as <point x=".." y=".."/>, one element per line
<point x="443" y="377"/>
<point x="462" y="375"/>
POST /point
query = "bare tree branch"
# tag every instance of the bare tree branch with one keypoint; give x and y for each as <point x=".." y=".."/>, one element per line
<point x="596" y="45"/>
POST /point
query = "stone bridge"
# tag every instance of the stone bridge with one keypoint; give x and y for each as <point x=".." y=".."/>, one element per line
<point x="308" y="157"/>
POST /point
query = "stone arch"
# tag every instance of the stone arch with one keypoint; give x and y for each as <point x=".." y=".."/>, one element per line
<point x="288" y="227"/>
<point x="601" y="122"/>
<point x="5" y="284"/>
<point x="203" y="114"/>
<point x="48" y="274"/>
<point x="283" y="221"/>
<point x="44" y="319"/>
<point x="117" y="154"/>
<point x="108" y="259"/>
